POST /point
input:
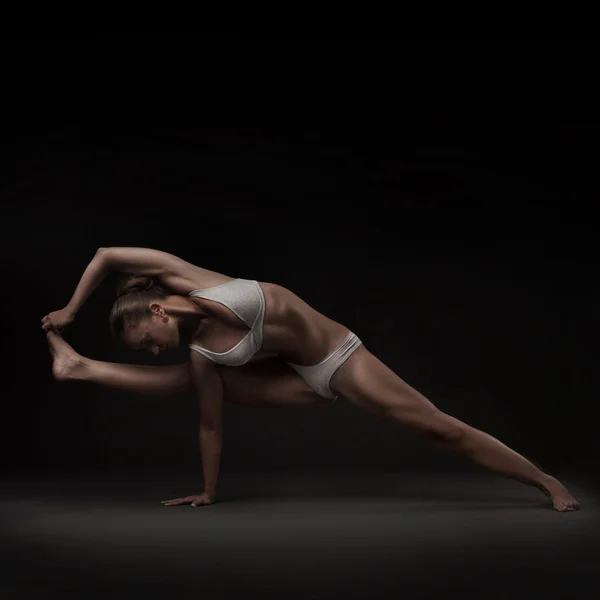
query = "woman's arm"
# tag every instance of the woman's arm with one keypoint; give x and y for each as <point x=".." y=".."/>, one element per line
<point x="208" y="386"/>
<point x="173" y="272"/>
<point x="177" y="272"/>
<point x="144" y="261"/>
<point x="94" y="273"/>
<point x="141" y="261"/>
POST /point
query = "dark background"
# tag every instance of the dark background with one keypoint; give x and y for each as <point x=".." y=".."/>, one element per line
<point x="456" y="238"/>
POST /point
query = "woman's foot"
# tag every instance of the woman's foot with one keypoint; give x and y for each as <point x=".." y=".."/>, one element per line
<point x="68" y="364"/>
<point x="562" y="500"/>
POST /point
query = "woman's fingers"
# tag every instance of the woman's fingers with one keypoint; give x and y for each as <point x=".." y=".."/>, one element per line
<point x="177" y="501"/>
<point x="56" y="320"/>
<point x="198" y="500"/>
<point x="48" y="324"/>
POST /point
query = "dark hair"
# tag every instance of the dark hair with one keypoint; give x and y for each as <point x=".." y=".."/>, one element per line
<point x="131" y="306"/>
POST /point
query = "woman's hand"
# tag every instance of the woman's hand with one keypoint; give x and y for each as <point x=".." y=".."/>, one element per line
<point x="57" y="320"/>
<point x="193" y="500"/>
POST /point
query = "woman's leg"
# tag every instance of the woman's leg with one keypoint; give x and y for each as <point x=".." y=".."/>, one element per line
<point x="269" y="383"/>
<point x="69" y="365"/>
<point x="364" y="380"/>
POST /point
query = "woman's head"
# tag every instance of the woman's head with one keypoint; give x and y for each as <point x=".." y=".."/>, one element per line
<point x="139" y="316"/>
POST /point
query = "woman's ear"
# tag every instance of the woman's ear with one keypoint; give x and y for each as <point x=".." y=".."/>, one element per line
<point x="157" y="309"/>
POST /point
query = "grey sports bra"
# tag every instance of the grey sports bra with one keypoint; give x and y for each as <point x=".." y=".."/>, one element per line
<point x="245" y="298"/>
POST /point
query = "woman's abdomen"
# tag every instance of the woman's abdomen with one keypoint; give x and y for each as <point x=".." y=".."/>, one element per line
<point x="296" y="331"/>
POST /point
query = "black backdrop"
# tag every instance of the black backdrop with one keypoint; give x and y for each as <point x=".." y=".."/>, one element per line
<point x="461" y="250"/>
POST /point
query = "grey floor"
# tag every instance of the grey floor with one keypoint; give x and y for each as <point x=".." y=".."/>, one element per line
<point x="297" y="536"/>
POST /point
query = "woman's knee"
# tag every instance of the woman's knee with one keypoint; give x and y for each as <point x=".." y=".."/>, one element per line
<point x="433" y="425"/>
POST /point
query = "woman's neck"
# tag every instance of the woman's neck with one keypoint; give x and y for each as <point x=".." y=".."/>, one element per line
<point x="187" y="313"/>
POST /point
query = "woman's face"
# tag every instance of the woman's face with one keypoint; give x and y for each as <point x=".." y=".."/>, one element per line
<point x="153" y="334"/>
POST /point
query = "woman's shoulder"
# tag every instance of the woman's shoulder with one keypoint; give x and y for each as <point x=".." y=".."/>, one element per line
<point x="188" y="279"/>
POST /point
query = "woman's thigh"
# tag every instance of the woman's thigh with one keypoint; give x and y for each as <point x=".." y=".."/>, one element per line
<point x="270" y="383"/>
<point x="367" y="382"/>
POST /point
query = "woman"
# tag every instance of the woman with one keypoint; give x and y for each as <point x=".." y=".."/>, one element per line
<point x="230" y="324"/>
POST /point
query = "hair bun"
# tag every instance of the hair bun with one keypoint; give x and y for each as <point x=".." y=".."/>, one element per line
<point x="133" y="284"/>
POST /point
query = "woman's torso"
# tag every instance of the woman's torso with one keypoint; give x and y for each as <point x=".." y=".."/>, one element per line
<point x="292" y="328"/>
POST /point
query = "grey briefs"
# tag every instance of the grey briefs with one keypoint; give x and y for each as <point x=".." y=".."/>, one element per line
<point x="318" y="376"/>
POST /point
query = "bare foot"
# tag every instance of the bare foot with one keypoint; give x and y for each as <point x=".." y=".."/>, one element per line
<point x="68" y="364"/>
<point x="562" y="500"/>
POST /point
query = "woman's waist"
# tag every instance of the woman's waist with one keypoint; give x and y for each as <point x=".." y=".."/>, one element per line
<point x="302" y="345"/>
<point x="294" y="330"/>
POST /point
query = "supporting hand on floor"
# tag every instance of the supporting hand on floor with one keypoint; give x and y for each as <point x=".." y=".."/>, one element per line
<point x="200" y="500"/>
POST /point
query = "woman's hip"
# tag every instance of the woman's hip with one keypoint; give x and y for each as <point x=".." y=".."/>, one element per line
<point x="319" y="375"/>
